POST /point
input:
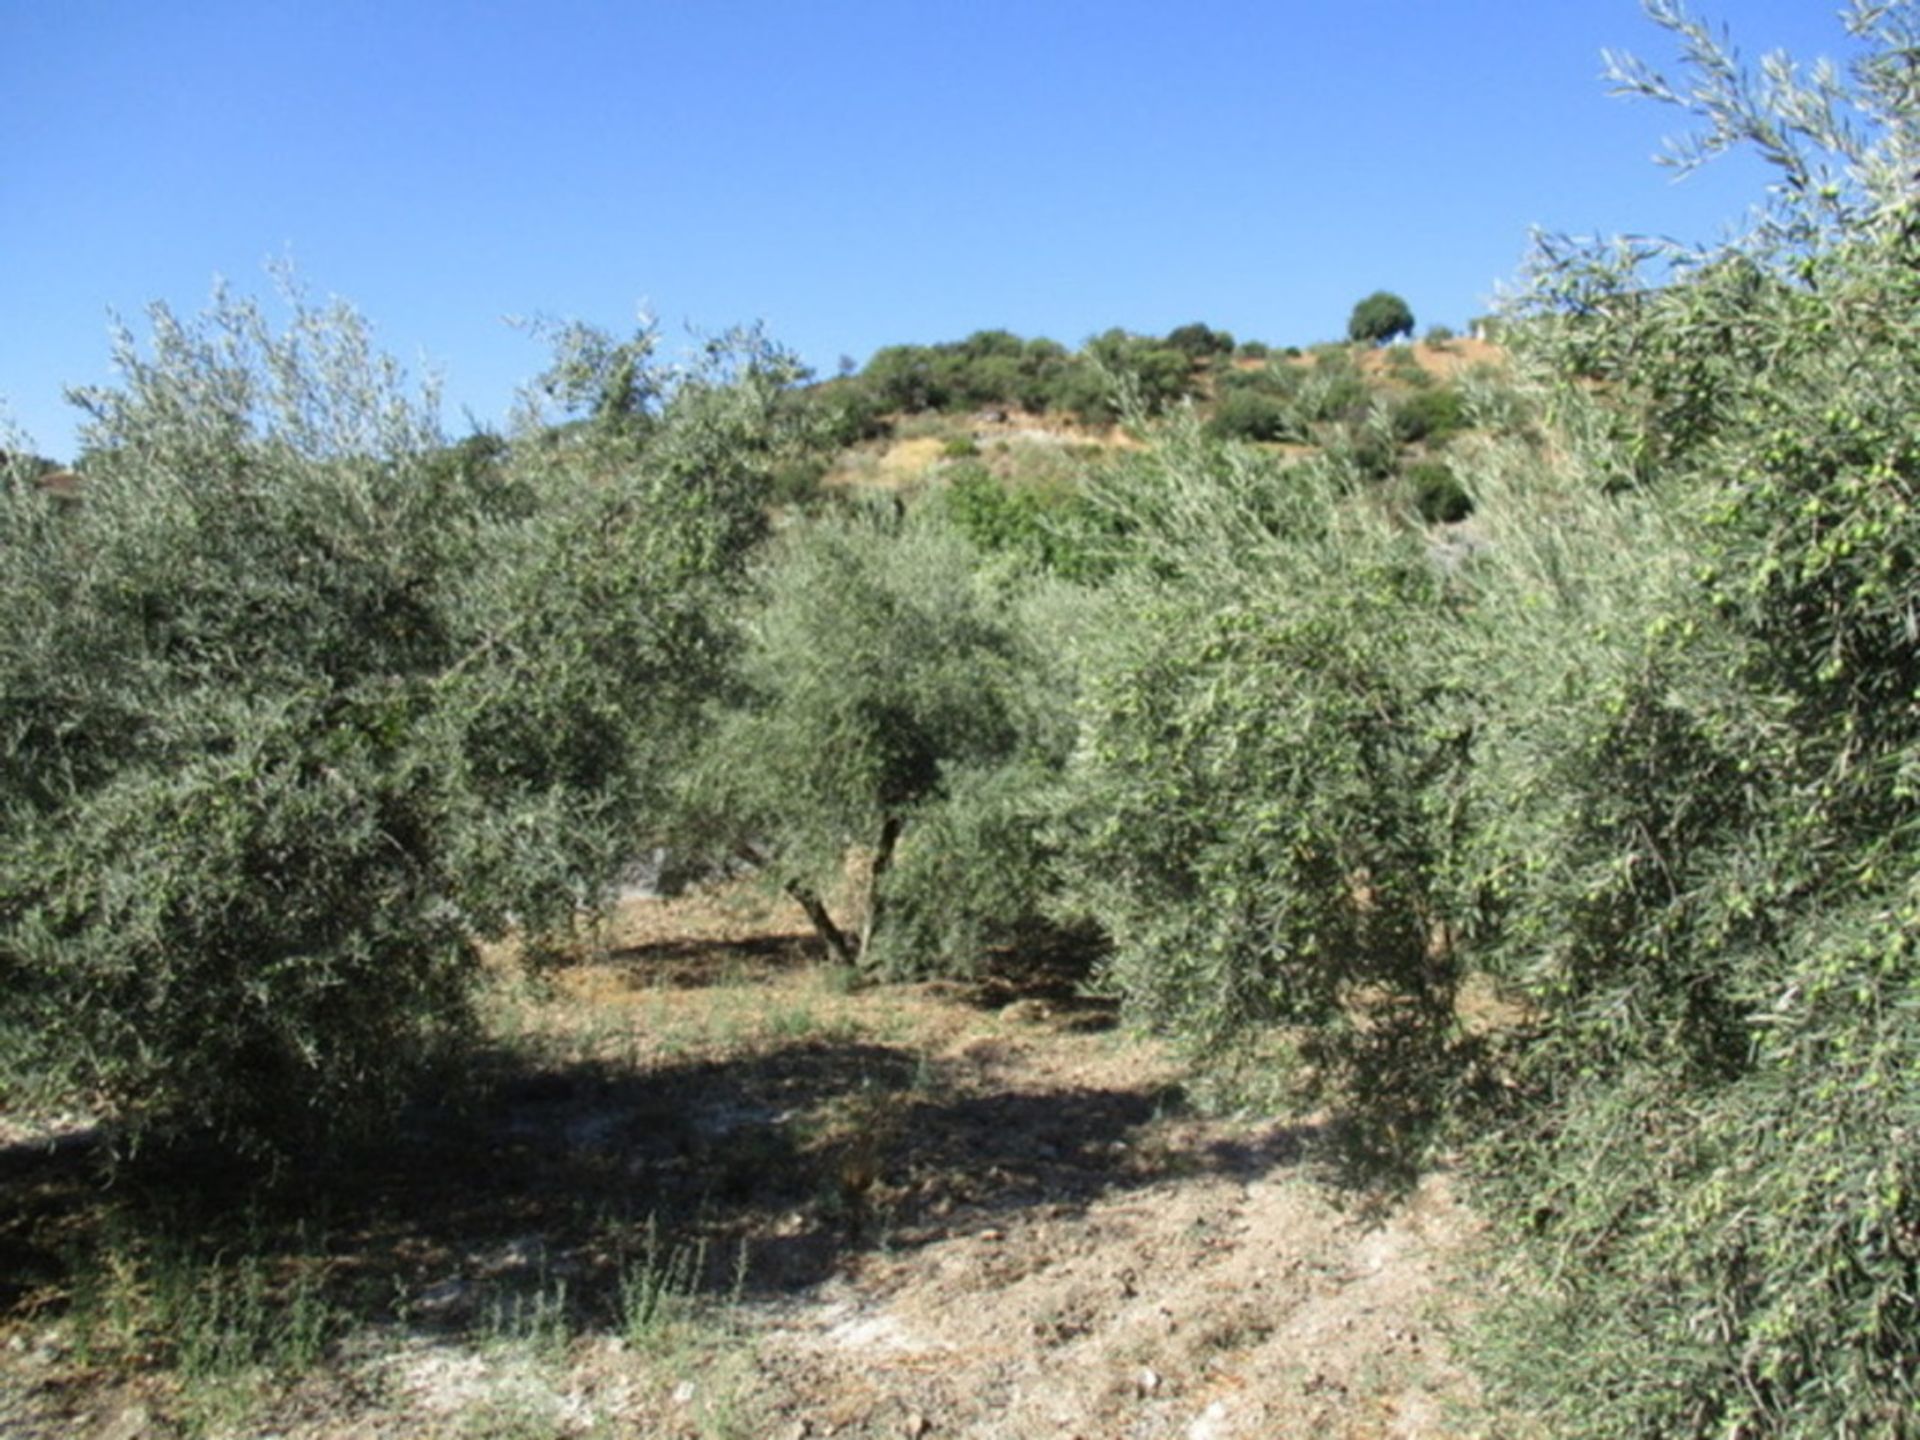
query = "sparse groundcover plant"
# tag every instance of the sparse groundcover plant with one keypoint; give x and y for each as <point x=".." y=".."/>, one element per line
<point x="1404" y="366"/>
<point x="218" y="1318"/>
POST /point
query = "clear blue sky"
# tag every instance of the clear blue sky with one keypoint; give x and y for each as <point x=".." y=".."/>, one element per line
<point x="850" y="174"/>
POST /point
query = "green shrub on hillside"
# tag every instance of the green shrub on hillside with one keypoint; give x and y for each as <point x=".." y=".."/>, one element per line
<point x="298" y="703"/>
<point x="1332" y="389"/>
<point x="1704" y="876"/>
<point x="1281" y="380"/>
<point x="1433" y="414"/>
<point x="1119" y="371"/>
<point x="905" y="378"/>
<point x="1053" y="531"/>
<point x="1248" y="414"/>
<point x="1379" y="318"/>
<point x="988" y="368"/>
<point x="1199" y="342"/>
<point x="881" y="684"/>
<point x="1250" y="810"/>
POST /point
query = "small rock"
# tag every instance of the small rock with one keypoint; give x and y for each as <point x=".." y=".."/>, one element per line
<point x="1147" y="1381"/>
<point x="133" y="1423"/>
<point x="684" y="1392"/>
<point x="444" y="1295"/>
<point x="992" y="1234"/>
<point x="916" y="1425"/>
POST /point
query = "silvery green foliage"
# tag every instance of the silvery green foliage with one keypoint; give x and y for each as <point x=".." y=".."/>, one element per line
<point x="1841" y="144"/>
<point x="227" y="383"/>
<point x="1844" y="144"/>
<point x="1696" y="759"/>
<point x="594" y="375"/>
<point x="1700" y="874"/>
<point x="603" y="623"/>
<point x="221" y="898"/>
<point x="298" y="702"/>
<point x="884" y="689"/>
<point x="1258" y="800"/>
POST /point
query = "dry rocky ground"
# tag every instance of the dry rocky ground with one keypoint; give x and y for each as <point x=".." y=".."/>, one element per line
<point x="704" y="1188"/>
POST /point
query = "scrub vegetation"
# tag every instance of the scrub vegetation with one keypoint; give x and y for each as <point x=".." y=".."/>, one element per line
<point x="1487" y="778"/>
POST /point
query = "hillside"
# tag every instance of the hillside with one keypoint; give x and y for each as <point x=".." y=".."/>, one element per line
<point x="1298" y="402"/>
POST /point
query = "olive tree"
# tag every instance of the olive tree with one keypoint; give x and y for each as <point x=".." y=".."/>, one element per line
<point x="1701" y="876"/>
<point x="1255" y="808"/>
<point x="886" y="696"/>
<point x="1379" y="318"/>
<point x="298" y="703"/>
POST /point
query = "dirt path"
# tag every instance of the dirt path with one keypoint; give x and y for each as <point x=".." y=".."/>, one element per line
<point x="1218" y="1294"/>
<point x="936" y="1210"/>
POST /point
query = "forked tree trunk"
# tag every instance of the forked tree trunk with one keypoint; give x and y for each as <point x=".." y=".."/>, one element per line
<point x="836" y="939"/>
<point x="850" y="950"/>
<point x="882" y="862"/>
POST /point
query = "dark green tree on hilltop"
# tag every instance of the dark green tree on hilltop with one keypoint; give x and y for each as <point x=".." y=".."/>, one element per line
<point x="1200" y="342"/>
<point x="1380" y="317"/>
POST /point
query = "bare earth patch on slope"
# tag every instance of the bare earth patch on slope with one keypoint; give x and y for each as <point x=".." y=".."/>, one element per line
<point x="942" y="1209"/>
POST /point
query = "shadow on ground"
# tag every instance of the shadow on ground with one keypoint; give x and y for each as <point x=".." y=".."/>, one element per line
<point x="759" y="1173"/>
